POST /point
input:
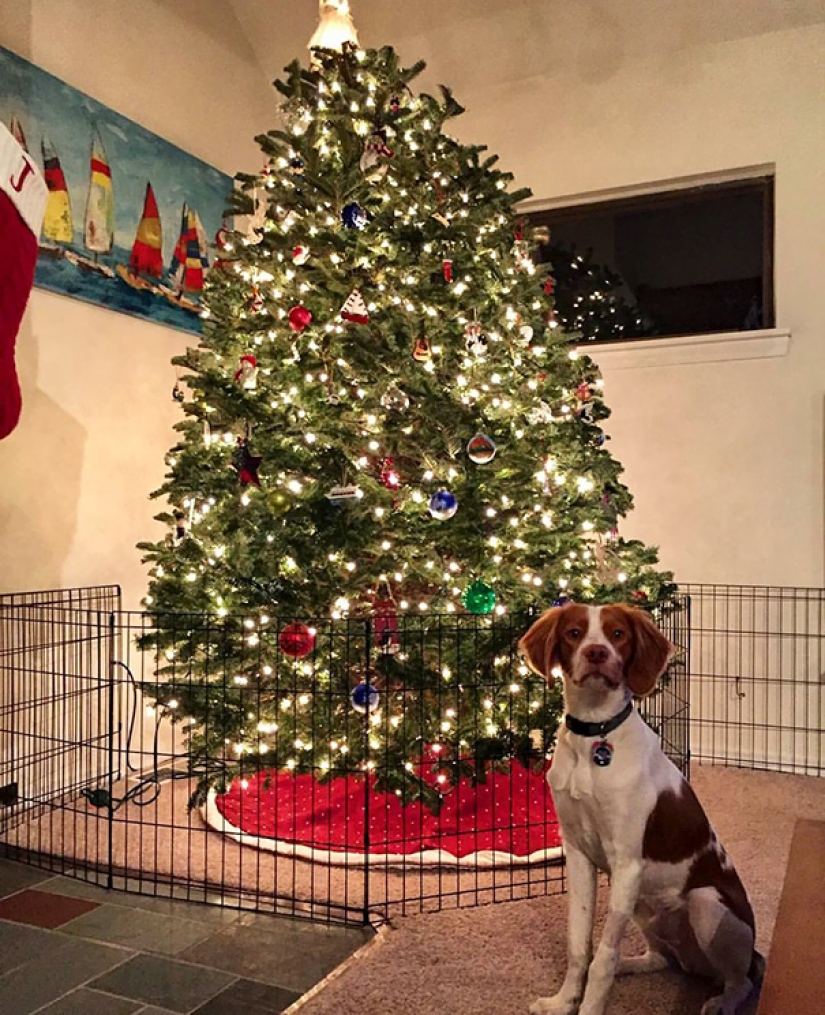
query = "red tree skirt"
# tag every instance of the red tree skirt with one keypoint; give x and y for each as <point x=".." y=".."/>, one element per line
<point x="509" y="819"/>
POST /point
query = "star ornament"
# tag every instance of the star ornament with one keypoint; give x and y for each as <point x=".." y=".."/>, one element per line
<point x="246" y="465"/>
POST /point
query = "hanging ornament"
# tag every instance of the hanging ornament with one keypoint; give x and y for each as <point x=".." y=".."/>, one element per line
<point x="549" y="284"/>
<point x="561" y="600"/>
<point x="389" y="475"/>
<point x="353" y="216"/>
<point x="475" y="341"/>
<point x="442" y="219"/>
<point x="443" y="505"/>
<point x="247" y="373"/>
<point x="180" y="526"/>
<point x="355" y="309"/>
<point x="255" y="223"/>
<point x="421" y="350"/>
<point x="447" y="268"/>
<point x="177" y="391"/>
<point x="365" y="698"/>
<point x="481" y="449"/>
<point x="296" y="640"/>
<point x="395" y="400"/>
<point x="385" y="626"/>
<point x="584" y="411"/>
<point x="395" y="105"/>
<point x="540" y="414"/>
<point x="246" y="464"/>
<point x="300" y="254"/>
<point x="221" y="243"/>
<point x="296" y="166"/>
<point x="479" y="598"/>
<point x="256" y="301"/>
<point x="584" y="392"/>
<point x="521" y="254"/>
<point x="375" y="149"/>
<point x="341" y="494"/>
<point x="639" y="596"/>
<point x="526" y="334"/>
<point x="299" y="317"/>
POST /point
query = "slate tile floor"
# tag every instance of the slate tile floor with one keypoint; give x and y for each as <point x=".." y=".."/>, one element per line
<point x="70" y="948"/>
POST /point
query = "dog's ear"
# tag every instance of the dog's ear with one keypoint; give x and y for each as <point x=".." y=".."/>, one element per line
<point x="651" y="652"/>
<point x="540" y="644"/>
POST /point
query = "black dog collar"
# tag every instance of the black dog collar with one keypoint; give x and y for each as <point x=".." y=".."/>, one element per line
<point x="597" y="729"/>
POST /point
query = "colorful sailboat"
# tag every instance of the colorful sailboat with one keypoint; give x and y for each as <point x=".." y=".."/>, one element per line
<point x="147" y="250"/>
<point x="57" y="221"/>
<point x="16" y="130"/>
<point x="99" y="232"/>
<point x="190" y="261"/>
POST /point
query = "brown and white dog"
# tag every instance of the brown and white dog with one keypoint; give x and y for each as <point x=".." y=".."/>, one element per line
<point x="624" y="808"/>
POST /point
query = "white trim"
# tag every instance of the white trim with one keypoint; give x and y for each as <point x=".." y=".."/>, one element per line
<point x="680" y="350"/>
<point x="743" y="174"/>
<point x="486" y="858"/>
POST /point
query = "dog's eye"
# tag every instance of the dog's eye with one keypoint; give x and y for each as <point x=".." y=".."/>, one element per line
<point x="574" y="633"/>
<point x="618" y="634"/>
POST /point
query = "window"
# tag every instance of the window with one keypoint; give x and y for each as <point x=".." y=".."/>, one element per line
<point x="683" y="262"/>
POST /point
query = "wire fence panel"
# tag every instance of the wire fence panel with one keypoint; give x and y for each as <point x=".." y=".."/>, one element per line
<point x="388" y="770"/>
<point x="757" y="677"/>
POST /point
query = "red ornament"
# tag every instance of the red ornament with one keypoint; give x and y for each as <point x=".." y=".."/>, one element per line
<point x="549" y="284"/>
<point x="299" y="317"/>
<point x="386" y="626"/>
<point x="300" y="254"/>
<point x="389" y="475"/>
<point x="584" y="392"/>
<point x="296" y="640"/>
<point x="447" y="266"/>
<point x="639" y="596"/>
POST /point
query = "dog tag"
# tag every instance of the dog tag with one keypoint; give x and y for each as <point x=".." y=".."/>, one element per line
<point x="602" y="753"/>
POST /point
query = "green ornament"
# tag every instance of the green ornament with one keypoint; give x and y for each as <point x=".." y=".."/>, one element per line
<point x="479" y="597"/>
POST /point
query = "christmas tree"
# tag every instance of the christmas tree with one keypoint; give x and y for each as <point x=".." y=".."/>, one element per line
<point x="386" y="429"/>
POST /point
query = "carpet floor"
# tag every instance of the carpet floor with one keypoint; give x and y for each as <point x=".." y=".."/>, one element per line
<point x="496" y="960"/>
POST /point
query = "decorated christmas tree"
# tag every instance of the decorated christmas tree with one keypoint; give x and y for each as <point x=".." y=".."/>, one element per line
<point x="391" y="455"/>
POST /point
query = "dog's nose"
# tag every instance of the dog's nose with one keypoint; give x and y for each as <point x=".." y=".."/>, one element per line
<point x="596" y="654"/>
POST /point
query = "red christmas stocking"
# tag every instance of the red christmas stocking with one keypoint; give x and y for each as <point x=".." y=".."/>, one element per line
<point x="22" y="203"/>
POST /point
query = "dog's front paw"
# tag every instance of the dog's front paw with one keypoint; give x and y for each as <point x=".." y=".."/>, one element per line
<point x="558" y="1004"/>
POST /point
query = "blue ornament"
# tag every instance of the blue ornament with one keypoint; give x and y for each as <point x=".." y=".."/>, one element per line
<point x="353" y="216"/>
<point x="365" y="698"/>
<point x="561" y="601"/>
<point x="443" y="505"/>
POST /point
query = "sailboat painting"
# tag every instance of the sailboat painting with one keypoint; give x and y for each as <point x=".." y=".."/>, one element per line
<point x="129" y="216"/>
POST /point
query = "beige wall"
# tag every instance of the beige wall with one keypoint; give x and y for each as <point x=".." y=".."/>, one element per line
<point x="97" y="410"/>
<point x="725" y="458"/>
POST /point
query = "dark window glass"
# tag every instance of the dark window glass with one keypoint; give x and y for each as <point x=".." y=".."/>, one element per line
<point x="684" y="262"/>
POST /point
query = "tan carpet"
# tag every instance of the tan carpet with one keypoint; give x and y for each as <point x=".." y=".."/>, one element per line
<point x="495" y="960"/>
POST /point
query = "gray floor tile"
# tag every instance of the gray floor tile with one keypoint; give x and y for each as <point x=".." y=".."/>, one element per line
<point x="18" y="943"/>
<point x="286" y="953"/>
<point x="134" y="900"/>
<point x="91" y="1002"/>
<point x="163" y="982"/>
<point x="135" y="928"/>
<point x="154" y="1011"/>
<point x="245" y="997"/>
<point x="14" y="877"/>
<point x="60" y="967"/>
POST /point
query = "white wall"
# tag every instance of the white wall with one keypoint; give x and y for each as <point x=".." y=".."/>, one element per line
<point x="98" y="411"/>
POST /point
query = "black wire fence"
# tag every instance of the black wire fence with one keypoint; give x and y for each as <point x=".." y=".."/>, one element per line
<point x="193" y="758"/>
<point x="757" y="677"/>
